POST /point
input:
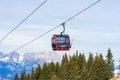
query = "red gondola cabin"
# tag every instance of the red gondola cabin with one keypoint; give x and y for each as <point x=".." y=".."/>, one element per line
<point x="60" y="42"/>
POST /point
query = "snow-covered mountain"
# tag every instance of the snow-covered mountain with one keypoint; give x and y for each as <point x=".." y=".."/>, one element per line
<point x="13" y="63"/>
<point x="8" y="64"/>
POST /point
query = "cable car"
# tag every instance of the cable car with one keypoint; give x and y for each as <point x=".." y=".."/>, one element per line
<point x="61" y="42"/>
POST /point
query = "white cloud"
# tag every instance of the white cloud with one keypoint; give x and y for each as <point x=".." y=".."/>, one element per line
<point x="25" y="34"/>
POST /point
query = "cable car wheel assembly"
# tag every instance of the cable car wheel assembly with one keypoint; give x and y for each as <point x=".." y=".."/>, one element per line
<point x="61" y="42"/>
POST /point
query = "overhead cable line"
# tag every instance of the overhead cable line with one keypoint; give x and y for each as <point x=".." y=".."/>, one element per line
<point x="81" y="11"/>
<point x="23" y="20"/>
<point x="58" y="25"/>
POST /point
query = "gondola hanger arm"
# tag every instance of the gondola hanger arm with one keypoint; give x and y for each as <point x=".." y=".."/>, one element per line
<point x="63" y="24"/>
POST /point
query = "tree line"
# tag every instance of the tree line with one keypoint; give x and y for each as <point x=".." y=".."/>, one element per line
<point x="75" y="67"/>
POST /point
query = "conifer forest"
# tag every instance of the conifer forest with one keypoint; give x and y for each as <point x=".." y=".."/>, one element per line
<point x="75" y="67"/>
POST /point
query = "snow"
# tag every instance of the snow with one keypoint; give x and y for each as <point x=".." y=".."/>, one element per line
<point x="116" y="72"/>
<point x="10" y="67"/>
<point x="20" y="59"/>
<point x="4" y="59"/>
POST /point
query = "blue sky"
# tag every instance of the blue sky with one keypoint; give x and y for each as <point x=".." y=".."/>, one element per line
<point x="95" y="30"/>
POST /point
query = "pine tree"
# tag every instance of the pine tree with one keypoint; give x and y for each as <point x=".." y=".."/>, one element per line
<point x="103" y="69"/>
<point x="23" y="76"/>
<point x="16" y="77"/>
<point x="64" y="69"/>
<point x="38" y="72"/>
<point x="90" y="61"/>
<point x="54" y="77"/>
<point x="110" y="63"/>
<point x="28" y="77"/>
<point x="57" y="69"/>
<point x="89" y="65"/>
<point x="45" y="73"/>
<point x="80" y="62"/>
<point x="83" y="75"/>
<point x="94" y="69"/>
<point x="74" y="68"/>
<point x="33" y="77"/>
<point x="51" y="69"/>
